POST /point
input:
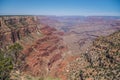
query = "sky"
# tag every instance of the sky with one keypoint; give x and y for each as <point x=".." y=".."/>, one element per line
<point x="60" y="7"/>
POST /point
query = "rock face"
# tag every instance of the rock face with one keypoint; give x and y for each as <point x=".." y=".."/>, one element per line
<point x="45" y="52"/>
<point x="42" y="57"/>
<point x="43" y="46"/>
<point x="13" y="28"/>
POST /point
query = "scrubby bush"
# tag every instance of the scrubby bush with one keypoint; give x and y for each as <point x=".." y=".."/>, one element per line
<point x="5" y="66"/>
<point x="8" y="60"/>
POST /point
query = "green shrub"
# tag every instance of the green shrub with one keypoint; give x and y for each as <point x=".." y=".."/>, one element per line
<point x="8" y="60"/>
<point x="5" y="66"/>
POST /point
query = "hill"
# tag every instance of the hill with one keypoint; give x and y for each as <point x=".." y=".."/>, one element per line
<point x="100" y="62"/>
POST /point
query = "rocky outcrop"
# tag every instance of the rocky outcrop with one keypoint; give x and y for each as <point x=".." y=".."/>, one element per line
<point x="13" y="28"/>
<point x="99" y="62"/>
<point x="43" y="47"/>
<point x="43" y="55"/>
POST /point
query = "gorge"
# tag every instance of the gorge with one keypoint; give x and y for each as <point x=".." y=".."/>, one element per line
<point x="59" y="47"/>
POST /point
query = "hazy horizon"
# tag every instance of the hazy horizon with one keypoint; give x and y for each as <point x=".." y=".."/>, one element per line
<point x="62" y="15"/>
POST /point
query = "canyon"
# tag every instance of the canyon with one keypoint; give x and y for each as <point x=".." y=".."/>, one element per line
<point x="81" y="31"/>
<point x="61" y="46"/>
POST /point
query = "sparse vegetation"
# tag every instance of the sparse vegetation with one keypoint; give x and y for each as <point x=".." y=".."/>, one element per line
<point x="103" y="59"/>
<point x="9" y="60"/>
<point x="43" y="54"/>
<point x="5" y="66"/>
<point x="14" y="53"/>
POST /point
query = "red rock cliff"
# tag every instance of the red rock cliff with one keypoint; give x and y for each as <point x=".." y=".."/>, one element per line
<point x="43" y="53"/>
<point x="13" y="28"/>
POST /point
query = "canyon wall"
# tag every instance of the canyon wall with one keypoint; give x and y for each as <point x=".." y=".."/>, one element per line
<point x="13" y="28"/>
<point x="43" y="46"/>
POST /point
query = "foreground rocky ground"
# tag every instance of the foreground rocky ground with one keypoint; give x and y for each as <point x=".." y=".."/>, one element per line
<point x="100" y="62"/>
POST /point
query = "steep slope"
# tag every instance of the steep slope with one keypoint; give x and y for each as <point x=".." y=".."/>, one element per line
<point x="13" y="28"/>
<point x="44" y="54"/>
<point x="100" y="62"/>
<point x="49" y="53"/>
<point x="43" y="46"/>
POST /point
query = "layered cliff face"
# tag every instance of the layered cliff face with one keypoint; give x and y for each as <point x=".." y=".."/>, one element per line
<point x="43" y="46"/>
<point x="45" y="54"/>
<point x="44" y="51"/>
<point x="13" y="28"/>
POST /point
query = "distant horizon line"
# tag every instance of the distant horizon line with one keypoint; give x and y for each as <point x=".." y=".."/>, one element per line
<point x="59" y="15"/>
